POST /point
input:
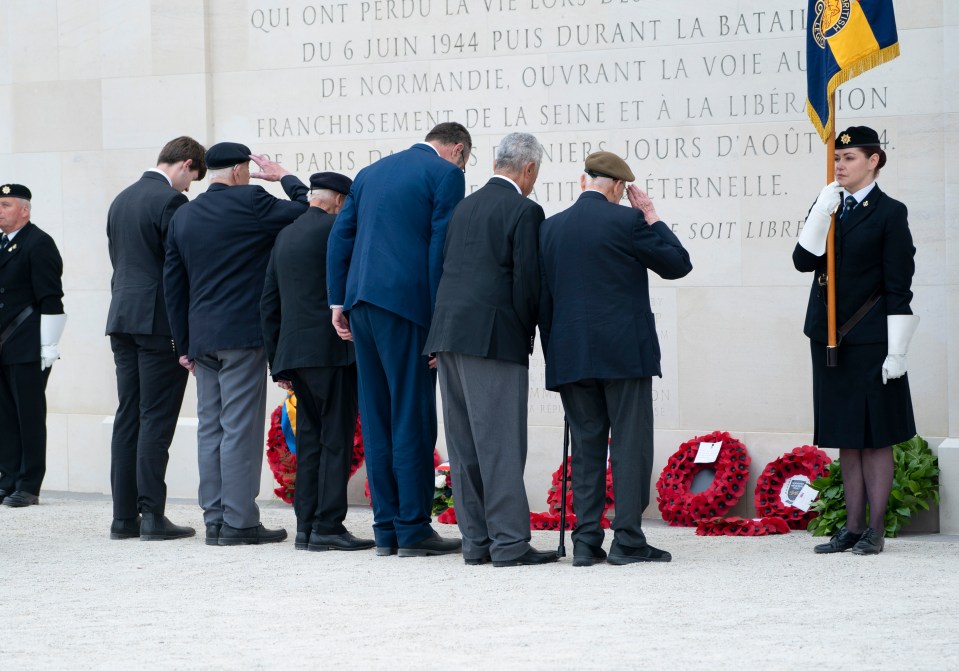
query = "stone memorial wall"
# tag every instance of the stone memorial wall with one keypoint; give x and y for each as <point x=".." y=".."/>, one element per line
<point x="704" y="100"/>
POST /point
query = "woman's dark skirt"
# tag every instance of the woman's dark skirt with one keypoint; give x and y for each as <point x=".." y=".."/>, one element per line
<point x="853" y="409"/>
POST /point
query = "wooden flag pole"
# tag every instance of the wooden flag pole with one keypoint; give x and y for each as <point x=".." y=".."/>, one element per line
<point x="832" y="347"/>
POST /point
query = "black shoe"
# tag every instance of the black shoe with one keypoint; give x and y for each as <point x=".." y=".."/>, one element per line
<point x="121" y="529"/>
<point x="623" y="554"/>
<point x="159" y="528"/>
<point x="434" y="544"/>
<point x="531" y="557"/>
<point x="213" y="533"/>
<point x="870" y="543"/>
<point x="302" y="540"/>
<point x="386" y="550"/>
<point x="477" y="561"/>
<point x="345" y="541"/>
<point x="4" y="494"/>
<point x="841" y="542"/>
<point x="585" y="554"/>
<point x="257" y="535"/>
<point x="21" y="500"/>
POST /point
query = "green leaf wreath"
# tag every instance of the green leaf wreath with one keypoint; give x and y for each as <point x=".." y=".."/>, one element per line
<point x="915" y="483"/>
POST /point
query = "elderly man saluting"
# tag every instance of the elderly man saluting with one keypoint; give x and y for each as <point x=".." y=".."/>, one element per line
<point x="599" y="338"/>
<point x="217" y="251"/>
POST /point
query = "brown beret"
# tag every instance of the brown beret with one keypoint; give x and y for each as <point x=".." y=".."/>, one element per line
<point x="608" y="164"/>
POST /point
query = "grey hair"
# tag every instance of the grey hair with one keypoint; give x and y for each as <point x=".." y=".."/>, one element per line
<point x="516" y="150"/>
<point x="220" y="173"/>
<point x="600" y="181"/>
<point x="26" y="204"/>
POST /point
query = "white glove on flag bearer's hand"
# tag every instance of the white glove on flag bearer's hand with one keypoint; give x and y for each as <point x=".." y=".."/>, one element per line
<point x="900" y="330"/>
<point x="51" y="328"/>
<point x="813" y="235"/>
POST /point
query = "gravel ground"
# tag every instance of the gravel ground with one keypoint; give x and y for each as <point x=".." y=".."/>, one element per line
<point x="73" y="599"/>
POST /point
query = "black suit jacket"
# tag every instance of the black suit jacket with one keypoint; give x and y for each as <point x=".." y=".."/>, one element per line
<point x="297" y="331"/>
<point x="137" y="224"/>
<point x="30" y="274"/>
<point x="488" y="297"/>
<point x="596" y="320"/>
<point x="217" y="251"/>
<point x="874" y="250"/>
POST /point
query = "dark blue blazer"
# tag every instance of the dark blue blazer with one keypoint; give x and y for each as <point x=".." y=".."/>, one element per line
<point x="217" y="251"/>
<point x="137" y="225"/>
<point x="595" y="316"/>
<point x="874" y="250"/>
<point x="386" y="247"/>
<point x="297" y="330"/>
<point x="30" y="274"/>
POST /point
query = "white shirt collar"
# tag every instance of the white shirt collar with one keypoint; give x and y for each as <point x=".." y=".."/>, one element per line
<point x="427" y="144"/>
<point x="515" y="185"/>
<point x="11" y="236"/>
<point x="165" y="176"/>
<point x="862" y="193"/>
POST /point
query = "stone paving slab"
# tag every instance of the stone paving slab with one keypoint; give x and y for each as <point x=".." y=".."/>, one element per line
<point x="73" y="599"/>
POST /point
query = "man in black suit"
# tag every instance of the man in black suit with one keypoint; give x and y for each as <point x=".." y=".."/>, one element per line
<point x="31" y="323"/>
<point x="482" y="333"/>
<point x="601" y="348"/>
<point x="307" y="355"/>
<point x="150" y="379"/>
<point x="217" y="251"/>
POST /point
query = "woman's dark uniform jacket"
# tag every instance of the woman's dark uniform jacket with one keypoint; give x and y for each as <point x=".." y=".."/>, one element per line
<point x="874" y="250"/>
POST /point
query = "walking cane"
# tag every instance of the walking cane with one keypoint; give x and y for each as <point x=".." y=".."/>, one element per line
<point x="561" y="550"/>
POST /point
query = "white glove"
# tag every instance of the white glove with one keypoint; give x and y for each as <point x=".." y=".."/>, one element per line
<point x="900" y="330"/>
<point x="814" y="232"/>
<point x="51" y="328"/>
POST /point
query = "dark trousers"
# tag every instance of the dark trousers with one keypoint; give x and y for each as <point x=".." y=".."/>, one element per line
<point x="617" y="413"/>
<point x="23" y="427"/>
<point x="398" y="414"/>
<point x="326" y="405"/>
<point x="150" y="386"/>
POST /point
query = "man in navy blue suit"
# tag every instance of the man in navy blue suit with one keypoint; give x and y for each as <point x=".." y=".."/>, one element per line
<point x="384" y="261"/>
<point x="599" y="338"/>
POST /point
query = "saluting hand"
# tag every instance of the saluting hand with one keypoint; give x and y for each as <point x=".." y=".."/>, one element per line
<point x="271" y="171"/>
<point x="638" y="200"/>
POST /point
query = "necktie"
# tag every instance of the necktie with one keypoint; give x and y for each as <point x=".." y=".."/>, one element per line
<point x="4" y="241"/>
<point x="849" y="206"/>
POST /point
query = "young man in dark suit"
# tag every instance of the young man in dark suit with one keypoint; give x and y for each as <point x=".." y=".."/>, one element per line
<point x="31" y="323"/>
<point x="307" y="356"/>
<point x="482" y="333"/>
<point x="384" y="263"/>
<point x="150" y="379"/>
<point x="217" y="251"/>
<point x="599" y="338"/>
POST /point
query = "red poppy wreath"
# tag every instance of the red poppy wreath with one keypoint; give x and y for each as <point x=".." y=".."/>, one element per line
<point x="680" y="506"/>
<point x="782" y="480"/>
<point x="737" y="526"/>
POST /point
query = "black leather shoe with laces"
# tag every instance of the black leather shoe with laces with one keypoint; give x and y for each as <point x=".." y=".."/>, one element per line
<point x="870" y="543"/>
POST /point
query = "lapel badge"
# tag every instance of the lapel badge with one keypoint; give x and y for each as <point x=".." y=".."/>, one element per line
<point x="845" y="139"/>
<point x="865" y="203"/>
<point x="12" y="247"/>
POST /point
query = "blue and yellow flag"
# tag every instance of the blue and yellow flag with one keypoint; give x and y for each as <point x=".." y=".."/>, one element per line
<point x="844" y="39"/>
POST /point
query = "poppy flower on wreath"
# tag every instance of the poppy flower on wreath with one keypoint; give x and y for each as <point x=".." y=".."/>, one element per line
<point x="782" y="480"/>
<point x="553" y="500"/>
<point x="737" y="526"/>
<point x="682" y="507"/>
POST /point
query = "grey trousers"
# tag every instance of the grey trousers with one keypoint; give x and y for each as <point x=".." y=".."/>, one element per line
<point x="231" y="400"/>
<point x="617" y="413"/>
<point x="484" y="412"/>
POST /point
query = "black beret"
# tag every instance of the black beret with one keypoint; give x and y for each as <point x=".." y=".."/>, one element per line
<point x="15" y="191"/>
<point x="857" y="136"/>
<point x="331" y="180"/>
<point x="226" y="155"/>
<point x="608" y="164"/>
